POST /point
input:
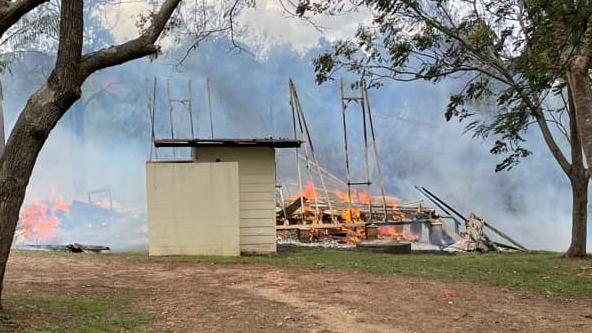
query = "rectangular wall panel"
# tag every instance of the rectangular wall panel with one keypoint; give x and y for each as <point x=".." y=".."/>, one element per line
<point x="193" y="208"/>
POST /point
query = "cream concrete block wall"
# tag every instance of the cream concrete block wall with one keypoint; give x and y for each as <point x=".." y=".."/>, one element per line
<point x="256" y="168"/>
<point x="193" y="208"/>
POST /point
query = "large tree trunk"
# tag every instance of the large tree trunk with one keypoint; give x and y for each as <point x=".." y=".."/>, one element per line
<point x="580" y="87"/>
<point x="45" y="108"/>
<point x="579" y="188"/>
<point x="579" y="179"/>
<point x="2" y="137"/>
<point x="41" y="114"/>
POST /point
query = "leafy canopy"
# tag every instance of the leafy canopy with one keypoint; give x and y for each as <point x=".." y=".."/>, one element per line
<point x="512" y="54"/>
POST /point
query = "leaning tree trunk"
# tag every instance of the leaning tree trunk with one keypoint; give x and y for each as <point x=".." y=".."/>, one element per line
<point x="45" y="108"/>
<point x="40" y="116"/>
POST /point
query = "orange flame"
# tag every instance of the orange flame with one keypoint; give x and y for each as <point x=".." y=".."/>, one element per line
<point x="392" y="232"/>
<point x="359" y="196"/>
<point x="344" y="197"/>
<point x="309" y="191"/>
<point x="355" y="235"/>
<point x="364" y="197"/>
<point x="39" y="220"/>
<point x="351" y="215"/>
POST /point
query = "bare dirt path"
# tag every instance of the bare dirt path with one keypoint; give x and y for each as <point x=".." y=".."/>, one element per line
<point x="201" y="297"/>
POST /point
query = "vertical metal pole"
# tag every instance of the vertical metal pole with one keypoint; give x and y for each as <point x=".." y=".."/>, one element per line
<point x="281" y="190"/>
<point x="299" y="115"/>
<point x="168" y="88"/>
<point x="152" y="119"/>
<point x="296" y="150"/>
<point x="367" y="163"/>
<point x="316" y="162"/>
<point x="378" y="168"/>
<point x="210" y="108"/>
<point x="310" y="178"/>
<point x="149" y="108"/>
<point x="343" y="109"/>
<point x="271" y="122"/>
<point x="190" y="107"/>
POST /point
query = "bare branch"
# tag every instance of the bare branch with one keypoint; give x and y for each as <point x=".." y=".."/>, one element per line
<point x="142" y="46"/>
<point x="10" y="13"/>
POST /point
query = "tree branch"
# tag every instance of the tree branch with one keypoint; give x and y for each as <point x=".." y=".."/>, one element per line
<point x="550" y="141"/>
<point x="577" y="155"/>
<point x="137" y="48"/>
<point x="534" y="107"/>
<point x="67" y="68"/>
<point x="10" y="13"/>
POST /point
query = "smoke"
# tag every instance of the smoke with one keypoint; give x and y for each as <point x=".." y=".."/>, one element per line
<point x="104" y="141"/>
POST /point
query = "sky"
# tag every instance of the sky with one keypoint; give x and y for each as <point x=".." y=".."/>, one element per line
<point x="250" y="99"/>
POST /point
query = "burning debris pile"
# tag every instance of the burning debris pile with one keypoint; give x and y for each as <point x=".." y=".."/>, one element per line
<point x="340" y="219"/>
<point x="308" y="218"/>
<point x="45" y="224"/>
<point x="347" y="216"/>
<point x="40" y="219"/>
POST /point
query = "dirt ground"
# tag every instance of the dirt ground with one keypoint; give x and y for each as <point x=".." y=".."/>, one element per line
<point x="201" y="297"/>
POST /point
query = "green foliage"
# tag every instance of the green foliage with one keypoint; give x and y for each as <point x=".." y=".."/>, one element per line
<point x="511" y="54"/>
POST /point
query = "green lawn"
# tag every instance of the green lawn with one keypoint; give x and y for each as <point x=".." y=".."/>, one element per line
<point x="543" y="272"/>
<point x="72" y="314"/>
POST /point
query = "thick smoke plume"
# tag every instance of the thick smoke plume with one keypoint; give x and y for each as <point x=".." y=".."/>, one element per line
<point x="104" y="141"/>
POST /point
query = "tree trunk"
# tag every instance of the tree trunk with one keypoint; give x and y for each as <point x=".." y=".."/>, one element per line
<point x="579" y="83"/>
<point x="45" y="108"/>
<point x="41" y="114"/>
<point x="579" y="178"/>
<point x="579" y="188"/>
<point x="2" y="137"/>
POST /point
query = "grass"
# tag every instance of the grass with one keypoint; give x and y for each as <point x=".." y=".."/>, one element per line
<point x="543" y="272"/>
<point x="49" y="314"/>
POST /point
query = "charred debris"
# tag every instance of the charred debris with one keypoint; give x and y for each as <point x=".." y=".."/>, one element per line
<point x="331" y="212"/>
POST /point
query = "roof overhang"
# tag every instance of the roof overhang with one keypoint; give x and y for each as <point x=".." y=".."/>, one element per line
<point x="228" y="143"/>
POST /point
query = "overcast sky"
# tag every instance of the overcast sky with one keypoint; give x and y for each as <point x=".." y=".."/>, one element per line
<point x="262" y="28"/>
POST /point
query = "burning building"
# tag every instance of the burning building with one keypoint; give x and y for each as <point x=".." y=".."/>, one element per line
<point x="226" y="199"/>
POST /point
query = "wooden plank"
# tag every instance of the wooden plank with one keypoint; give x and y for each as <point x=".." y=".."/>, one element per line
<point x="254" y="240"/>
<point x="257" y="196"/>
<point x="257" y="214"/>
<point x="258" y="205"/>
<point x="258" y="231"/>
<point x="291" y="208"/>
<point x="261" y="179"/>
<point x="503" y="235"/>
<point x="258" y="248"/>
<point x="257" y="188"/>
<point x="256" y="222"/>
